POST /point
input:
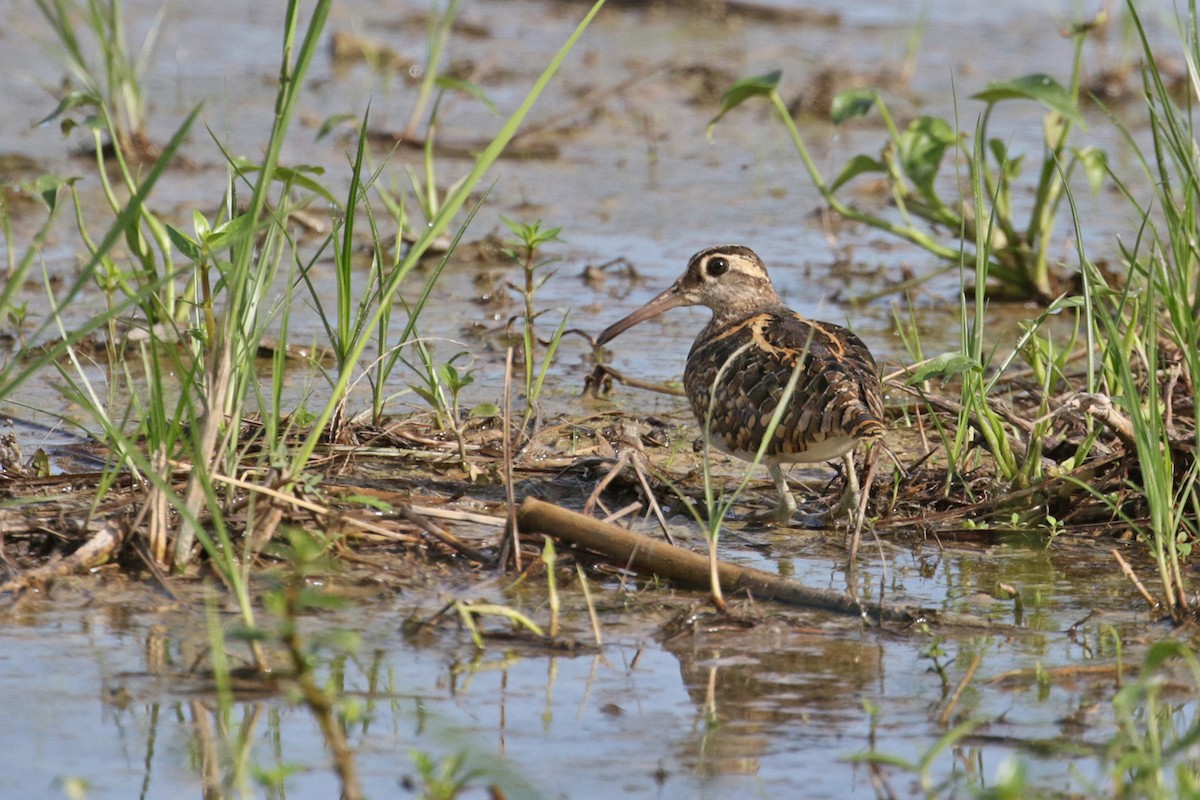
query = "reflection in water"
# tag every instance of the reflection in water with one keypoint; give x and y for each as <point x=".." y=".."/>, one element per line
<point x="788" y="686"/>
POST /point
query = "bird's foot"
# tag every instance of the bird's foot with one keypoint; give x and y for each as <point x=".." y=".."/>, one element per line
<point x="786" y="515"/>
<point x="772" y="518"/>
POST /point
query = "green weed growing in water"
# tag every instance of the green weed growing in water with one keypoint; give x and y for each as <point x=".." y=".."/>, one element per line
<point x="525" y="251"/>
<point x="470" y="613"/>
<point x="911" y="163"/>
<point x="292" y="596"/>
<point x="443" y="779"/>
<point x="1015" y="446"/>
<point x="454" y="202"/>
<point x="1152" y="753"/>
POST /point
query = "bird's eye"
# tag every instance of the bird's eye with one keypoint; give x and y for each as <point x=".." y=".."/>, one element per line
<point x="717" y="266"/>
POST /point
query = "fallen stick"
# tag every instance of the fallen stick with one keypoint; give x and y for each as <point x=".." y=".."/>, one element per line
<point x="107" y="539"/>
<point x="651" y="557"/>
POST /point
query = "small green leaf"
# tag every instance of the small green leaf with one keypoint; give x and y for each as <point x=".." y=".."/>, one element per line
<point x="47" y="187"/>
<point x="922" y="146"/>
<point x="71" y="100"/>
<point x="484" y="411"/>
<point x="469" y="88"/>
<point x="200" y="225"/>
<point x="852" y="103"/>
<point x="183" y="243"/>
<point x="41" y="463"/>
<point x="425" y="394"/>
<point x="1010" y="163"/>
<point x="947" y="365"/>
<point x="370" y="502"/>
<point x="1038" y="87"/>
<point x="247" y="633"/>
<point x="855" y="167"/>
<point x="332" y="122"/>
<point x="228" y="232"/>
<point x="296" y="176"/>
<point x="743" y="90"/>
<point x="1065" y="302"/>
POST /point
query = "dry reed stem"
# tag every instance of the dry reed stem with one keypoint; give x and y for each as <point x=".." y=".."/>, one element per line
<point x="944" y="717"/>
<point x="1129" y="573"/>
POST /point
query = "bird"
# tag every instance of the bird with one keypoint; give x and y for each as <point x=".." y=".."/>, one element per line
<point x="742" y="361"/>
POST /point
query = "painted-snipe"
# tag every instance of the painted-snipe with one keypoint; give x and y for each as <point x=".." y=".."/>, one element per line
<point x="740" y="365"/>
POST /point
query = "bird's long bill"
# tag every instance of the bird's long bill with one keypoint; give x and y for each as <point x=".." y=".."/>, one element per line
<point x="671" y="298"/>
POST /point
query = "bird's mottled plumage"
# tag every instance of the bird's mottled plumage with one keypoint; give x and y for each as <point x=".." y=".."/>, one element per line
<point x="740" y="365"/>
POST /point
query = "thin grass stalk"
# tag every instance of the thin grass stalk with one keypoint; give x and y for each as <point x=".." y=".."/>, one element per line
<point x="439" y="31"/>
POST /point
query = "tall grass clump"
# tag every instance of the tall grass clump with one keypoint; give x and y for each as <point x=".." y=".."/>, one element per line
<point x="1149" y="334"/>
<point x="206" y="297"/>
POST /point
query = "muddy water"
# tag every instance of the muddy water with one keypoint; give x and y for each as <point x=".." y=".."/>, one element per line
<point x="101" y="675"/>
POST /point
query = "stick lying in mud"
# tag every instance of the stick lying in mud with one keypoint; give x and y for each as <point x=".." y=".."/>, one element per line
<point x="651" y="557"/>
<point x="107" y="539"/>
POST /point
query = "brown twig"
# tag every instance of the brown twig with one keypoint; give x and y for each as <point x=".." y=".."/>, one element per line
<point x="512" y="539"/>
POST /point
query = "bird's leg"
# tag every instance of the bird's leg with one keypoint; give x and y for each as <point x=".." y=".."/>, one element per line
<point x="787" y="501"/>
<point x="848" y="503"/>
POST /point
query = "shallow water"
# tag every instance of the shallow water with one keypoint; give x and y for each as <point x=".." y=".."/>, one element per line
<point x="101" y="677"/>
<point x="100" y="674"/>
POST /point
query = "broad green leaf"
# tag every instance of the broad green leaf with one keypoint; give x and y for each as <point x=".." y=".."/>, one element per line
<point x="743" y="90"/>
<point x="1095" y="166"/>
<point x="855" y="167"/>
<point x="484" y="410"/>
<point x="852" y="103"/>
<point x="1038" y="87"/>
<point x="922" y="146"/>
<point x="947" y="365"/>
